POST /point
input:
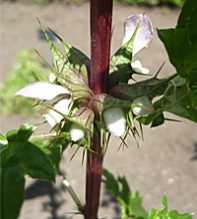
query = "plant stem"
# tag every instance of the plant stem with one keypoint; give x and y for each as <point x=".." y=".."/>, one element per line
<point x="101" y="19"/>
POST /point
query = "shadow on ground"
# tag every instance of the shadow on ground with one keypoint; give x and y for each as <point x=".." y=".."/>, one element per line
<point x="109" y="202"/>
<point x="42" y="188"/>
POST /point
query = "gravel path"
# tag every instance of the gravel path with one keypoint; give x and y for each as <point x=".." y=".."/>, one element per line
<point x="166" y="161"/>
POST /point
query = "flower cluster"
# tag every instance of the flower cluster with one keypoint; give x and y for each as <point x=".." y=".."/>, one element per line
<point x="72" y="108"/>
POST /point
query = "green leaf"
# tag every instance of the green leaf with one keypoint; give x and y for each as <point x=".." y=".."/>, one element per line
<point x="152" y="87"/>
<point x="54" y="150"/>
<point x="18" y="157"/>
<point x="111" y="183"/>
<point x="12" y="184"/>
<point x="188" y="17"/>
<point x="179" y="49"/>
<point x="166" y="213"/>
<point x="21" y="134"/>
<point x="179" y="99"/>
<point x="157" y="120"/>
<point x="125" y="193"/>
<point x="136" y="206"/>
<point x="164" y="201"/>
<point x="34" y="161"/>
<point x="181" y="43"/>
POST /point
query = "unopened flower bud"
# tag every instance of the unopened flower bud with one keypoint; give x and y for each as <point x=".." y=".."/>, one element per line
<point x="142" y="106"/>
<point x="52" y="77"/>
<point x="115" y="121"/>
<point x="76" y="133"/>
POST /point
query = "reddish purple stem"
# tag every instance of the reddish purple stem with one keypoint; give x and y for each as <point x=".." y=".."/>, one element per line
<point x="101" y="19"/>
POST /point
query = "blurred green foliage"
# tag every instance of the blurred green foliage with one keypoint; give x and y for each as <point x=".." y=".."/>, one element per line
<point x="27" y="69"/>
<point x="152" y="2"/>
<point x="130" y="2"/>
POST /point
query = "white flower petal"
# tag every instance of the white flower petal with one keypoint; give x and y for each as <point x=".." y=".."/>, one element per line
<point x="76" y="133"/>
<point x="115" y="121"/>
<point x="144" y="32"/>
<point x="42" y="91"/>
<point x="63" y="106"/>
<point x="138" y="68"/>
<point x="54" y="116"/>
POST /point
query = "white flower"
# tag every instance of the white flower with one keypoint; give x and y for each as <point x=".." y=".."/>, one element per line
<point x="55" y="116"/>
<point x="140" y="25"/>
<point x="138" y="68"/>
<point x="47" y="91"/>
<point x="115" y="121"/>
<point x="142" y="106"/>
<point x="42" y="91"/>
<point x="76" y="133"/>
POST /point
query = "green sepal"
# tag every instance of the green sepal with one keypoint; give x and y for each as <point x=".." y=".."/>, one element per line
<point x="84" y="117"/>
<point x="71" y="58"/>
<point x="120" y="65"/>
<point x="3" y="142"/>
<point x="151" y="88"/>
<point x="142" y="106"/>
<point x="104" y="101"/>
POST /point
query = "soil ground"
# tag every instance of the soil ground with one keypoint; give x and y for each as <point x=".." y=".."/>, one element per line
<point x="165" y="163"/>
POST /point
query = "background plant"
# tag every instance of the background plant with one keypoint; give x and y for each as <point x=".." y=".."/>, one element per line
<point x="131" y="2"/>
<point x="27" y="69"/>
